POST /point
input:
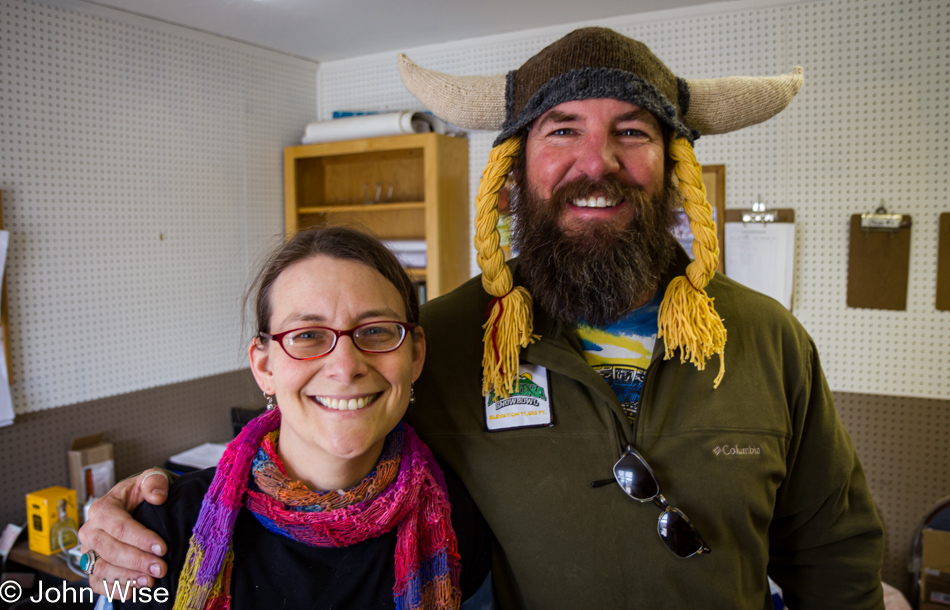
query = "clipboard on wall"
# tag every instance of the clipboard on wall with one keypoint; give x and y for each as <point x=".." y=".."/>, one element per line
<point x="943" y="263"/>
<point x="714" y="179"/>
<point x="760" y="250"/>
<point x="879" y="260"/>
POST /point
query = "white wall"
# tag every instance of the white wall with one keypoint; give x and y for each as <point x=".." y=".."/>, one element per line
<point x="869" y="124"/>
<point x="140" y="166"/>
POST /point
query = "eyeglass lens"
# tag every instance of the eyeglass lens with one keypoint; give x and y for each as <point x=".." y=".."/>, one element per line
<point x="373" y="337"/>
<point x="637" y="480"/>
<point x="678" y="534"/>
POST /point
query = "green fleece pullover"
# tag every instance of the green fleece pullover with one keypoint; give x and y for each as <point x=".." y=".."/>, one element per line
<point x="762" y="466"/>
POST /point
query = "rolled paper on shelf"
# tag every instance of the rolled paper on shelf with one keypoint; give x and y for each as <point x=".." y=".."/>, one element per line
<point x="372" y="126"/>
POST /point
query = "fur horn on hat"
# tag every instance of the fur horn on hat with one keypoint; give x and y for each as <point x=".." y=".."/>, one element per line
<point x="717" y="105"/>
<point x="472" y="102"/>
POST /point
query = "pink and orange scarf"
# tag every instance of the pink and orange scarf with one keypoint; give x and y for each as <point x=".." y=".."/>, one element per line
<point x="405" y="491"/>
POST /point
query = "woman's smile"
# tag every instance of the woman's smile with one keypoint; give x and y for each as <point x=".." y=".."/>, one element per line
<point x="346" y="404"/>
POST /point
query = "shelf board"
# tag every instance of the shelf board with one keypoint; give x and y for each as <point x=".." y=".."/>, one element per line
<point x="363" y="145"/>
<point x="416" y="275"/>
<point x="54" y="565"/>
<point x="363" y="207"/>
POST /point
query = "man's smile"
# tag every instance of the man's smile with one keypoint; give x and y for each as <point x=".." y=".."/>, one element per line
<point x="595" y="202"/>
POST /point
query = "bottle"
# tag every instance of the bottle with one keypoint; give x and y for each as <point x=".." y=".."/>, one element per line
<point x="86" y="507"/>
<point x="63" y="533"/>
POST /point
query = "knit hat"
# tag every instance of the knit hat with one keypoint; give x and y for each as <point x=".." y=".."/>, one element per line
<point x="594" y="63"/>
<point x="585" y="64"/>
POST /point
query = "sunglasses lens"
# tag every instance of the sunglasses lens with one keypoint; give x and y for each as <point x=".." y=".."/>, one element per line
<point x="636" y="478"/>
<point x="679" y="535"/>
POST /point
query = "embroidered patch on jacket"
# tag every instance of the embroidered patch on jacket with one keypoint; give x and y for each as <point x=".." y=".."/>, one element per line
<point x="736" y="450"/>
<point x="528" y="406"/>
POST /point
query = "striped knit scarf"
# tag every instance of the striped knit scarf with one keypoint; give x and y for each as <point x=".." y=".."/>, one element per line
<point x="405" y="491"/>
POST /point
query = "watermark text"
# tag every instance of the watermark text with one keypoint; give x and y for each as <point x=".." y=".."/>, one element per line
<point x="11" y="591"/>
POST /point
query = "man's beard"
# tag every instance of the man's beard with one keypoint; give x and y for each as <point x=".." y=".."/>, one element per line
<point x="598" y="273"/>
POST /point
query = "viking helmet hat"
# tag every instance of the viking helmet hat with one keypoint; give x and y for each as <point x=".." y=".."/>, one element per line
<point x="599" y="63"/>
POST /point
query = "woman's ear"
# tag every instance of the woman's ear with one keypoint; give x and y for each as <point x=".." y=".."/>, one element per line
<point x="418" y="351"/>
<point x="259" y="357"/>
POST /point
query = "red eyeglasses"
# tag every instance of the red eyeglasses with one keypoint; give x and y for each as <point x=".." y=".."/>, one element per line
<point x="316" y="341"/>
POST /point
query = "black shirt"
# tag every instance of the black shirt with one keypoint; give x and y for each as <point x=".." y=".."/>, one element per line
<point x="273" y="571"/>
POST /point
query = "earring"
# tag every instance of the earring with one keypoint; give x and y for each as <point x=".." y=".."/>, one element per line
<point x="412" y="393"/>
<point x="271" y="401"/>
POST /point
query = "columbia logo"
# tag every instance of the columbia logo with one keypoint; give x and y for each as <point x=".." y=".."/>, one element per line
<point x="736" y="450"/>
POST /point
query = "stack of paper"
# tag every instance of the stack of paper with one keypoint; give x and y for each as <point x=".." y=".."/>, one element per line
<point x="410" y="252"/>
<point x="201" y="457"/>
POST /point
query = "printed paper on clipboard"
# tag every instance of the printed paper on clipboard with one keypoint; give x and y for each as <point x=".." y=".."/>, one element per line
<point x="6" y="400"/>
<point x="761" y="255"/>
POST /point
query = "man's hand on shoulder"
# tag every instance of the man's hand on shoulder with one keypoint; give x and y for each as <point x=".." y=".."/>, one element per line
<point x="126" y="549"/>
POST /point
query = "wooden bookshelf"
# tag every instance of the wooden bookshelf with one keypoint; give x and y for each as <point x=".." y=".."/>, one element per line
<point x="400" y="187"/>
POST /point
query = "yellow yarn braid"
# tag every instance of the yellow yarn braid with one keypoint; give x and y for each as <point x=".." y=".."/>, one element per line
<point x="510" y="321"/>
<point x="687" y="319"/>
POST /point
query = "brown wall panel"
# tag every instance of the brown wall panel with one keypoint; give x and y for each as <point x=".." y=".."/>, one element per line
<point x="902" y="443"/>
<point x="145" y="427"/>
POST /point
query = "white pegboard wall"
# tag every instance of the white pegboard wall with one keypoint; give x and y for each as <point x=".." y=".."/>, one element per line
<point x="141" y="173"/>
<point x="878" y="99"/>
<point x="868" y="124"/>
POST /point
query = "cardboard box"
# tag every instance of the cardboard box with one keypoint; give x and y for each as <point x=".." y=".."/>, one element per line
<point x="935" y="553"/>
<point x="935" y="590"/>
<point x="91" y="468"/>
<point x="935" y="571"/>
<point x="52" y="517"/>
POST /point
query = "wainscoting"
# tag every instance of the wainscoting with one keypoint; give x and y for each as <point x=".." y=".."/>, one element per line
<point x="145" y="428"/>
<point x="902" y="443"/>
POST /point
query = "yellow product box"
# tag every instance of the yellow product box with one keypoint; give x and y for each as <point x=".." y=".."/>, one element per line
<point x="53" y="519"/>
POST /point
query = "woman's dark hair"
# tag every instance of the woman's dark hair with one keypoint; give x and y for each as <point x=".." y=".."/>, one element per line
<point x="335" y="242"/>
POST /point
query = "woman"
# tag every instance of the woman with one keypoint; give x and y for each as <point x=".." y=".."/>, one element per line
<point x="327" y="500"/>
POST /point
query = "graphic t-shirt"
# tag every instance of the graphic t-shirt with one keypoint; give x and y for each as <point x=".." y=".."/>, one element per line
<point x="622" y="352"/>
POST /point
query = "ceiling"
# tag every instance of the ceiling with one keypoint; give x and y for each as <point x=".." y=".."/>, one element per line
<point x="326" y="30"/>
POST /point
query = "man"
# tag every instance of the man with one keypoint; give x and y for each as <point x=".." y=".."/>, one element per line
<point x="576" y="385"/>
